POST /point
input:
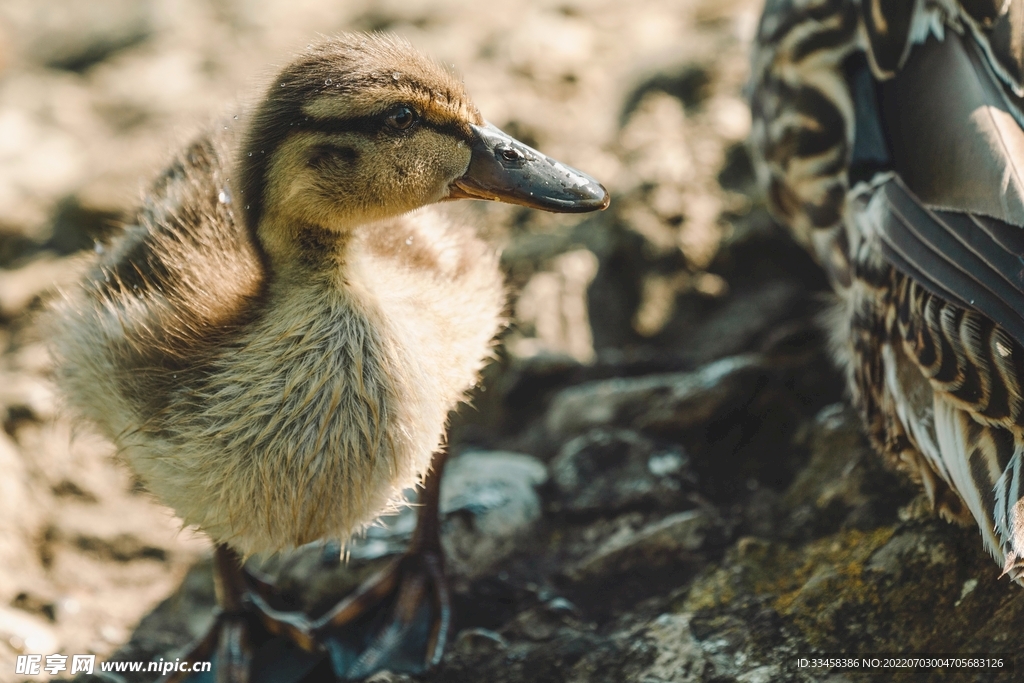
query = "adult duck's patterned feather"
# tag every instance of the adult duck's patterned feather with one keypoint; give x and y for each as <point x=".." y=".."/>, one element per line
<point x="952" y="254"/>
<point x="803" y="119"/>
<point x="887" y="134"/>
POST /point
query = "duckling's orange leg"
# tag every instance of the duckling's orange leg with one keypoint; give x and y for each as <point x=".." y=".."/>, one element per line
<point x="228" y="635"/>
<point x="400" y="619"/>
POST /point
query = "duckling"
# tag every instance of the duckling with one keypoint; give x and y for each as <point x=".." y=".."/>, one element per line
<point x="889" y="136"/>
<point x="275" y="343"/>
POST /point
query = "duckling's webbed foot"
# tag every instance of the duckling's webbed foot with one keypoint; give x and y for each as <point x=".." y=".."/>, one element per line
<point x="227" y="642"/>
<point x="398" y="620"/>
<point x="241" y="645"/>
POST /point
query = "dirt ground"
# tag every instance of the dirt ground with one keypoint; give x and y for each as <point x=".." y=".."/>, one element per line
<point x="753" y="471"/>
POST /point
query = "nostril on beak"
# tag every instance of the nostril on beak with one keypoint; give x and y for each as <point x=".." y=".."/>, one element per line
<point x="512" y="155"/>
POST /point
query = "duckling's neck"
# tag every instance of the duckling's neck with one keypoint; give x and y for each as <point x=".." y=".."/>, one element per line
<point x="299" y="251"/>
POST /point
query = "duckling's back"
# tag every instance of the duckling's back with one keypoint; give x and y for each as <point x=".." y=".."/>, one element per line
<point x="272" y="413"/>
<point x="162" y="299"/>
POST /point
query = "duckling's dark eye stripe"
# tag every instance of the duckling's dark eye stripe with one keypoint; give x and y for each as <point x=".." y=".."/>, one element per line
<point x="355" y="124"/>
<point x="253" y="181"/>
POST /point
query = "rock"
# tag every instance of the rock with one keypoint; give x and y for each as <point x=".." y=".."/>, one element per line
<point x="912" y="552"/>
<point x="183" y="617"/>
<point x="552" y="309"/>
<point x="482" y="482"/>
<point x="19" y="517"/>
<point x="613" y="470"/>
<point x="844" y="483"/>
<point x="837" y="444"/>
<point x="522" y="389"/>
<point x="480" y="641"/>
<point x="389" y="677"/>
<point x="389" y="535"/>
<point x="28" y="397"/>
<point x="738" y="323"/>
<point x="669" y="402"/>
<point x="674" y="539"/>
<point x="674" y="648"/>
<point x="545" y="621"/>
<point x="76" y="226"/>
<point x="762" y="512"/>
<point x="490" y="503"/>
<point x="120" y="548"/>
<point x="41" y="605"/>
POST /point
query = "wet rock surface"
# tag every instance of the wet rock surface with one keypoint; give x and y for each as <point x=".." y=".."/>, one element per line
<point x="658" y="480"/>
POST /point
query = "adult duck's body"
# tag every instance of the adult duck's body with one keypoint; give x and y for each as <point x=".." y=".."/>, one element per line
<point x="276" y="343"/>
<point x="889" y="138"/>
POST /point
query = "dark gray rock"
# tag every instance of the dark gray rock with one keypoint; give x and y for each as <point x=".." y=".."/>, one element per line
<point x="613" y="470"/>
<point x="668" y="402"/>
<point x="490" y="504"/>
<point x="844" y="483"/>
<point x="673" y="539"/>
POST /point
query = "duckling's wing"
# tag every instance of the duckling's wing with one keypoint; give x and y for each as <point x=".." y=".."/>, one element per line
<point x="164" y="298"/>
<point x="188" y="241"/>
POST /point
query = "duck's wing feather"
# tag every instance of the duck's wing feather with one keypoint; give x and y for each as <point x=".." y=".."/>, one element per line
<point x="955" y="136"/>
<point x="952" y="216"/>
<point x="803" y="115"/>
<point x="999" y="25"/>
<point x="967" y="259"/>
<point x="887" y="28"/>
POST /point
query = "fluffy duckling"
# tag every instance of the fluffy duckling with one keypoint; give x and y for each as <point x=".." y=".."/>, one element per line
<point x="276" y="342"/>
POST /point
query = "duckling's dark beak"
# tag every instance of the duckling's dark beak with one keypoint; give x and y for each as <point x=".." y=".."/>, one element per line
<point x="502" y="169"/>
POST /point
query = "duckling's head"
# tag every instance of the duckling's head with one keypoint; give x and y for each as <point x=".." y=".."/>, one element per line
<point x="362" y="127"/>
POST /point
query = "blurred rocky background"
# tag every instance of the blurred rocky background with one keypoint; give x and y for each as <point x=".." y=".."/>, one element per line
<point x="659" y="480"/>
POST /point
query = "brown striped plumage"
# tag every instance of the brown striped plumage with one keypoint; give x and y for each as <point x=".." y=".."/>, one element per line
<point x="929" y="272"/>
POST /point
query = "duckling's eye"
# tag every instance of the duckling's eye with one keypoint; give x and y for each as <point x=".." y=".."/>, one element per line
<point x="401" y="118"/>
